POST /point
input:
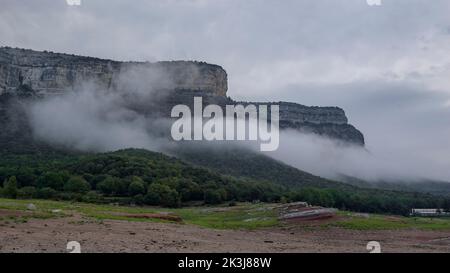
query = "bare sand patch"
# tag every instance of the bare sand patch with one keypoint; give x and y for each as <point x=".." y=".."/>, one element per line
<point x="52" y="235"/>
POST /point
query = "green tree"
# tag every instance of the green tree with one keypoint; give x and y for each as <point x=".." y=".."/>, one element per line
<point x="52" y="180"/>
<point x="152" y="198"/>
<point x="190" y="190"/>
<point x="111" y="186"/>
<point x="213" y="197"/>
<point x="26" y="177"/>
<point x="163" y="195"/>
<point x="91" y="197"/>
<point x="77" y="184"/>
<point x="138" y="199"/>
<point x="171" y="199"/>
<point x="26" y="192"/>
<point x="10" y="187"/>
<point x="46" y="193"/>
<point x="136" y="186"/>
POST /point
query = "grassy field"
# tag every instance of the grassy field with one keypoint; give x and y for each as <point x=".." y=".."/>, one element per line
<point x="383" y="222"/>
<point x="242" y="216"/>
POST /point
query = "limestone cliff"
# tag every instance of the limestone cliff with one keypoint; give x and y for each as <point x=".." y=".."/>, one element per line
<point x="28" y="73"/>
<point x="45" y="73"/>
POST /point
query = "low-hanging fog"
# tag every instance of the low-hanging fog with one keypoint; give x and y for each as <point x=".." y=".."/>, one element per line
<point x="90" y="117"/>
<point x="89" y="121"/>
<point x="97" y="120"/>
<point x="331" y="159"/>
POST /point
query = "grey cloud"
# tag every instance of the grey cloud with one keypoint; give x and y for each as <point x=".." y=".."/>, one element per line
<point x="405" y="126"/>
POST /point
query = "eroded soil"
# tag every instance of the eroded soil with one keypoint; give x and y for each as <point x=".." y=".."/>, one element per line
<point x="52" y="235"/>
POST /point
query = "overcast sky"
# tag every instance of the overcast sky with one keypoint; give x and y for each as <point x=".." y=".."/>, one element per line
<point x="388" y="66"/>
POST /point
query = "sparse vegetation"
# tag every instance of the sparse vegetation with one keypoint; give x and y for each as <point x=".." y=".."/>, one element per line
<point x="383" y="222"/>
<point x="240" y="216"/>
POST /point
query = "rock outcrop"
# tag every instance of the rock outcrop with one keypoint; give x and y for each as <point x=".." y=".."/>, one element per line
<point x="45" y="73"/>
<point x="28" y="73"/>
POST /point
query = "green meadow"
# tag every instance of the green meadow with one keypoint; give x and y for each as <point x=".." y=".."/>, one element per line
<point x="241" y="216"/>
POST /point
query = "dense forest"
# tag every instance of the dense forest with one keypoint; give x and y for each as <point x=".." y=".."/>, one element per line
<point x="142" y="177"/>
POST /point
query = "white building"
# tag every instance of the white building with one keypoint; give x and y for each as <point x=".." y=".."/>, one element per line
<point x="429" y="212"/>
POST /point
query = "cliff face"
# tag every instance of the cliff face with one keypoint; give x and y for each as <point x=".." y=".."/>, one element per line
<point x="27" y="73"/>
<point x="326" y="121"/>
<point x="44" y="73"/>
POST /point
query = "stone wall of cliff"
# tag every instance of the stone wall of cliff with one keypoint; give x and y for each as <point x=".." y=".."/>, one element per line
<point x="45" y="73"/>
<point x="33" y="73"/>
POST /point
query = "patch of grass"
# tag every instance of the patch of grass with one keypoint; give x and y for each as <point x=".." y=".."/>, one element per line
<point x="42" y="205"/>
<point x="242" y="216"/>
<point x="383" y="222"/>
<point x="431" y="223"/>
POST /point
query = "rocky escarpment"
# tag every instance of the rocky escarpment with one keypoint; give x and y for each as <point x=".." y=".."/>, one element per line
<point x="327" y="121"/>
<point x="45" y="73"/>
<point x="28" y="73"/>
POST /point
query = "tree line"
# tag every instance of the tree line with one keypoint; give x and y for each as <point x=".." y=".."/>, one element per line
<point x="146" y="178"/>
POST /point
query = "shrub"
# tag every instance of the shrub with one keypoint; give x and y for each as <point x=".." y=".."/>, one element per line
<point x="77" y="184"/>
<point x="152" y="198"/>
<point x="91" y="197"/>
<point x="163" y="195"/>
<point x="89" y="178"/>
<point x="46" y="193"/>
<point x="25" y="177"/>
<point x="51" y="180"/>
<point x="138" y="199"/>
<point x="96" y="180"/>
<point x="213" y="197"/>
<point x="10" y="187"/>
<point x="112" y="186"/>
<point x="69" y="196"/>
<point x="190" y="190"/>
<point x="171" y="199"/>
<point x="26" y="193"/>
<point x="136" y="187"/>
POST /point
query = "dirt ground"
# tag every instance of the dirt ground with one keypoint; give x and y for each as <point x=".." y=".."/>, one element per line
<point x="52" y="235"/>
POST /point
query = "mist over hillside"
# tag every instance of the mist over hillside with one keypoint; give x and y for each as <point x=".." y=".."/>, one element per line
<point x="96" y="105"/>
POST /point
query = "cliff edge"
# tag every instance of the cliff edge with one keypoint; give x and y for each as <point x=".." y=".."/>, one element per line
<point x="28" y="73"/>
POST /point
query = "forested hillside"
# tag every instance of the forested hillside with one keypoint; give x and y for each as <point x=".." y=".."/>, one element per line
<point x="146" y="178"/>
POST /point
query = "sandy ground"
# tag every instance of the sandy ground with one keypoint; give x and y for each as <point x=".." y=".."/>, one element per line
<point x="52" y="235"/>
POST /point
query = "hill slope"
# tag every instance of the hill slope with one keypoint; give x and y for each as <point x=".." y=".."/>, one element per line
<point x="144" y="177"/>
<point x="241" y="162"/>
